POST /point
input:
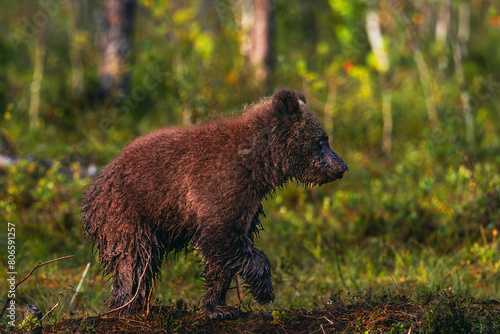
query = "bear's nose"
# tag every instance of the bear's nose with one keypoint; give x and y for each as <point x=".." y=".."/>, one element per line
<point x="346" y="169"/>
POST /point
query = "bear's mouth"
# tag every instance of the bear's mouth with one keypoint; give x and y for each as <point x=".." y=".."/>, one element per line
<point x="345" y="171"/>
<point x="339" y="173"/>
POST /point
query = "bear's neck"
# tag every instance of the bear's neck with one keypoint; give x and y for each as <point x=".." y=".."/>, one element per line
<point x="261" y="158"/>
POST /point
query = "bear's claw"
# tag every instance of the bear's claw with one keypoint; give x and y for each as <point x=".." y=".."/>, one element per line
<point x="222" y="312"/>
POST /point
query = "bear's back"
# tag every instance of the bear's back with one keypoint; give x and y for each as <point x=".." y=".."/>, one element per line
<point x="165" y="169"/>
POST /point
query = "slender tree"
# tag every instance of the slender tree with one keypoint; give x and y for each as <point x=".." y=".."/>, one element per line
<point x="374" y="34"/>
<point x="442" y="28"/>
<point x="460" y="51"/>
<point x="75" y="46"/>
<point x="36" y="82"/>
<point x="117" y="23"/>
<point x="413" y="35"/>
<point x="257" y="21"/>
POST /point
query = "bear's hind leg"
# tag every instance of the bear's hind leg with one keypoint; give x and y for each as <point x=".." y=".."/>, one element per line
<point x="134" y="272"/>
<point x="125" y="298"/>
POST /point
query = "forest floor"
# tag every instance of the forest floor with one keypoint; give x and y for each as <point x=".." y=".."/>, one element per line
<point x="436" y="312"/>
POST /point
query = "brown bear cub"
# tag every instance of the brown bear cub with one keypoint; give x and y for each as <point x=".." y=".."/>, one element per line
<point x="202" y="187"/>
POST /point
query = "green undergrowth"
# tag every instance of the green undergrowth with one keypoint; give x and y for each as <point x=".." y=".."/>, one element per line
<point x="416" y="219"/>
<point x="435" y="227"/>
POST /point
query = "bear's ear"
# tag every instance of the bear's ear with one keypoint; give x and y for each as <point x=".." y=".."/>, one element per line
<point x="286" y="104"/>
<point x="301" y="96"/>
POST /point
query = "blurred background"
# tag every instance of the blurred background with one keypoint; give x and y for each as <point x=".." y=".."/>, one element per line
<point x="409" y="92"/>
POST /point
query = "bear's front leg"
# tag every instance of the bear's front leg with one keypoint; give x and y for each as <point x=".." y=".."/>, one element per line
<point x="256" y="272"/>
<point x="217" y="283"/>
<point x="227" y="254"/>
<point x="254" y="268"/>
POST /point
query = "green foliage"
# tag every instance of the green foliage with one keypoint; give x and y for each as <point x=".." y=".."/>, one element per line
<point x="454" y="312"/>
<point x="29" y="323"/>
<point x="43" y="202"/>
<point x="428" y="212"/>
<point x="278" y="317"/>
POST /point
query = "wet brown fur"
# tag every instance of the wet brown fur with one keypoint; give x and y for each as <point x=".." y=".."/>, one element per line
<point x="203" y="187"/>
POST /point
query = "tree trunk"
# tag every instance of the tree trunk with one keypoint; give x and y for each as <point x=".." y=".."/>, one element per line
<point x="75" y="47"/>
<point x="257" y="21"/>
<point x="34" y="106"/>
<point x="459" y="48"/>
<point x="442" y="27"/>
<point x="423" y="72"/>
<point x="376" y="41"/>
<point x="425" y="81"/>
<point x="115" y="47"/>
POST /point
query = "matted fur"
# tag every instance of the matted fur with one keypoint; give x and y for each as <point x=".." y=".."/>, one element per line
<point x="203" y="186"/>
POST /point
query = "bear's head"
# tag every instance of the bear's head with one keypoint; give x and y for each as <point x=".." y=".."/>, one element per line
<point x="303" y="146"/>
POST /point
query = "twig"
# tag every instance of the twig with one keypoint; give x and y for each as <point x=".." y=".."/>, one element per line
<point x="59" y="300"/>
<point x="79" y="284"/>
<point x="458" y="278"/>
<point x="238" y="291"/>
<point x="32" y="270"/>
<point x="397" y="287"/>
<point x="406" y="313"/>
<point x="39" y="265"/>
<point x="134" y="320"/>
<point x="411" y="290"/>
<point x="149" y="299"/>
<point x="136" y="293"/>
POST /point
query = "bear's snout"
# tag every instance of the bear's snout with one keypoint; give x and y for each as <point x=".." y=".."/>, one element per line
<point x="337" y="166"/>
<point x="343" y="170"/>
<point x="340" y="170"/>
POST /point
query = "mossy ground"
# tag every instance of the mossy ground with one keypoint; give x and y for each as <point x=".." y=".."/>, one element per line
<point x="438" y="311"/>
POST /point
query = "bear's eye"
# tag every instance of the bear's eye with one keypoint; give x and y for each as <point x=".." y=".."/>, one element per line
<point x="322" y="143"/>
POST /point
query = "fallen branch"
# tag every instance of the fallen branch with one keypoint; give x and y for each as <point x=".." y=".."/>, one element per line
<point x="31" y="272"/>
<point x="60" y="296"/>
<point x="79" y="284"/>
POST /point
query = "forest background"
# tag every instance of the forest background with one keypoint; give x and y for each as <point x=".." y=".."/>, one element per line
<point x="409" y="92"/>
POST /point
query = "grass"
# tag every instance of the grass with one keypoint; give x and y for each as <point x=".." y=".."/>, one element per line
<point x="428" y="240"/>
<point x="406" y="242"/>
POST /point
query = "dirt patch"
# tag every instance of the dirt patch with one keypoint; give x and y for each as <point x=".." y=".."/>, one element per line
<point x="335" y="317"/>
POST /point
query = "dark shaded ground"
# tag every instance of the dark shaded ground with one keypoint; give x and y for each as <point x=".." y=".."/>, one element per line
<point x="439" y="312"/>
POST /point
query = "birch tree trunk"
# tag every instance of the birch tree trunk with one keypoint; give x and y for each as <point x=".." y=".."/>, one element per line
<point x="442" y="27"/>
<point x="423" y="72"/>
<point x="40" y="50"/>
<point x="257" y="21"/>
<point x="382" y="60"/>
<point x="459" y="48"/>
